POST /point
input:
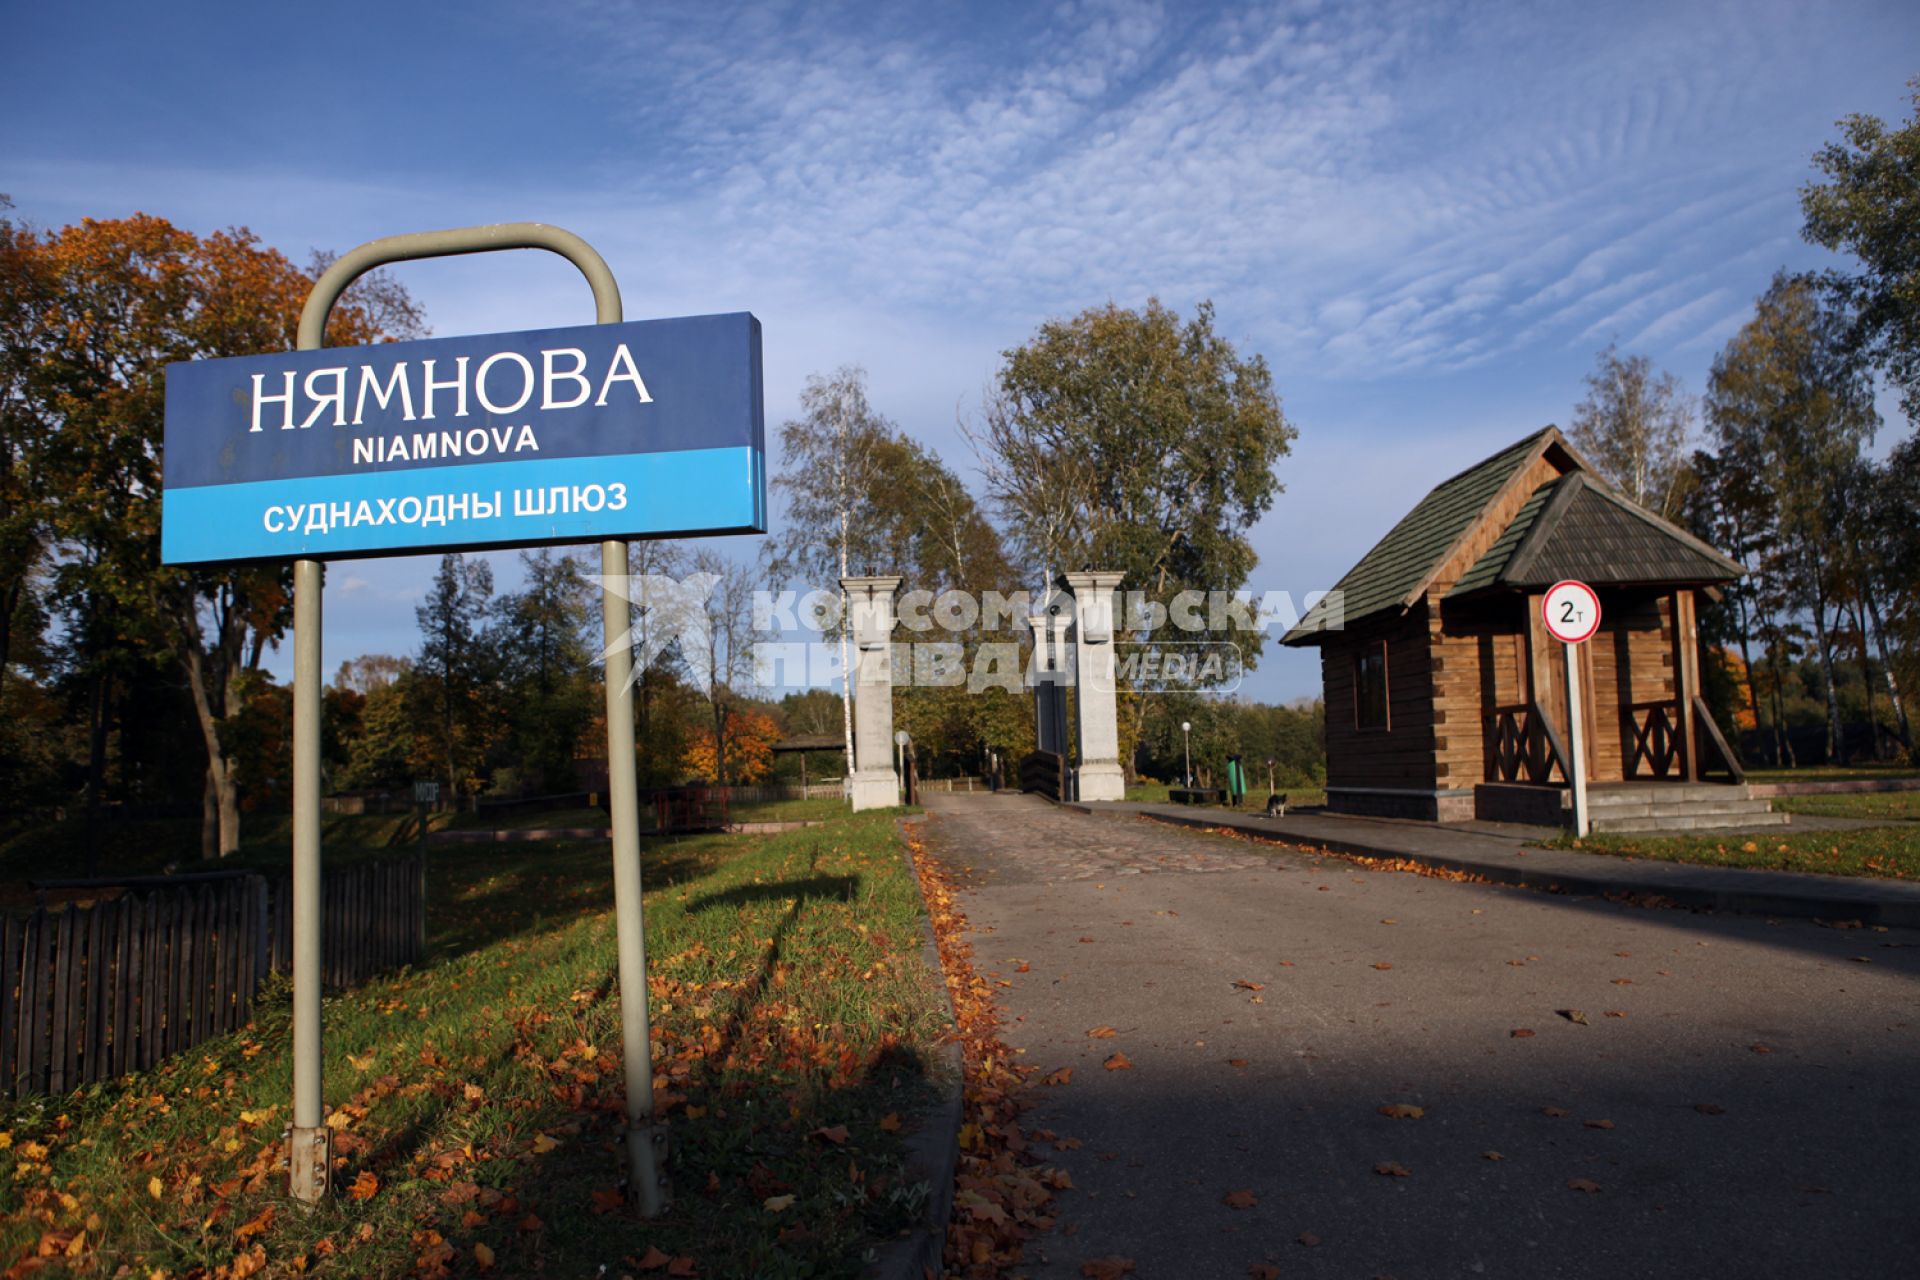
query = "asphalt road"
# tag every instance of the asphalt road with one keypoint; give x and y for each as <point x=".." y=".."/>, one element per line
<point x="1755" y="1112"/>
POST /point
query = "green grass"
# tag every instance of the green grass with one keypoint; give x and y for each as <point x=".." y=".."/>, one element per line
<point x="1886" y="852"/>
<point x="1903" y="806"/>
<point x="482" y="1090"/>
<point x="1834" y="773"/>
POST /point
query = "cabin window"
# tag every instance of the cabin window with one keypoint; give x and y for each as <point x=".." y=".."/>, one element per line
<point x="1370" y="686"/>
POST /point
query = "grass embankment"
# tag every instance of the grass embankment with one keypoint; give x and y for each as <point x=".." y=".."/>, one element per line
<point x="1887" y="852"/>
<point x="476" y="1102"/>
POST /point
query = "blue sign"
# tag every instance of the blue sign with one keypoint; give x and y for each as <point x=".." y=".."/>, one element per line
<point x="649" y="429"/>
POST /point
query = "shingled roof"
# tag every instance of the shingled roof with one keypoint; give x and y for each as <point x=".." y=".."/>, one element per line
<point x="1578" y="527"/>
<point x="1401" y="563"/>
<point x="1575" y="526"/>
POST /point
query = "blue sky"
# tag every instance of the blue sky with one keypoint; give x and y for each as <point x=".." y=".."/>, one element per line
<point x="1429" y="218"/>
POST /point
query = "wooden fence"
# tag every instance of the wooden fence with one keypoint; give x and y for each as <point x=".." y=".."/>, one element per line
<point x="90" y="993"/>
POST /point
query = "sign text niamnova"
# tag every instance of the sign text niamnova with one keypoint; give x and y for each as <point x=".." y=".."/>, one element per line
<point x="649" y="429"/>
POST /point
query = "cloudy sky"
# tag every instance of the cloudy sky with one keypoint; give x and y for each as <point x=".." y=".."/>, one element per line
<point x="1429" y="218"/>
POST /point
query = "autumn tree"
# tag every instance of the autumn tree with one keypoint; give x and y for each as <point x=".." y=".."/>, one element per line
<point x="721" y="656"/>
<point x="1633" y="425"/>
<point x="122" y="299"/>
<point x="547" y="667"/>
<point x="458" y="665"/>
<point x="1134" y="441"/>
<point x="827" y="477"/>
<point x="1869" y="206"/>
<point x="1790" y="407"/>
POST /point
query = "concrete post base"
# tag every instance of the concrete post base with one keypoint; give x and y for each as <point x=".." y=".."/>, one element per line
<point x="875" y="789"/>
<point x="1102" y="780"/>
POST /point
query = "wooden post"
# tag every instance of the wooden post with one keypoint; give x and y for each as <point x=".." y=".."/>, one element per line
<point x="1686" y="680"/>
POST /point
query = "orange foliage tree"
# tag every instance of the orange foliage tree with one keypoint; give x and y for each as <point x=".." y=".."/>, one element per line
<point x="750" y="738"/>
<point x="120" y="299"/>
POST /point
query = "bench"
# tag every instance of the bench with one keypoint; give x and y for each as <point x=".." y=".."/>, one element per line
<point x="1196" y="795"/>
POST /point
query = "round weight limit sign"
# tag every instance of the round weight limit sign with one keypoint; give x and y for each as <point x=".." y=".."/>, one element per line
<point x="1571" y="612"/>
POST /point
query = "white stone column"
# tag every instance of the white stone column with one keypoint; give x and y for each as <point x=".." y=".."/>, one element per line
<point x="1096" y="684"/>
<point x="870" y="606"/>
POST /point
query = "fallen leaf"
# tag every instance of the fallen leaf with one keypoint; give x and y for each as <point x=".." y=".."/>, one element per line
<point x="1583" y="1184"/>
<point x="1555" y="1112"/>
<point x="531" y="1223"/>
<point x="1860" y="959"/>
<point x="836" y="1134"/>
<point x="255" y="1226"/>
<point x="1709" y="1108"/>
<point x="1402" y="1111"/>
<point x="1491" y="1155"/>
<point x="363" y="1187"/>
<point x="1086" y="939"/>
<point x="1384" y="964"/>
<point x="1306" y="1238"/>
<point x="890" y="1122"/>
<point x="654" y="1259"/>
<point x="1615" y="1013"/>
<point x="1573" y="1015"/>
<point x="1389" y="922"/>
<point x="1240" y="1200"/>
<point x="1118" y="1062"/>
<point x="543" y="1144"/>
<point x="1023" y="967"/>
<point x="156" y="1188"/>
<point x="1390" y="1169"/>
<point x="1236" y="1062"/>
<point x="1245" y="985"/>
<point x="1101" y="1033"/>
<point x="777" y="1204"/>
<point x="1111" y="1267"/>
<point x="683" y="1266"/>
<point x="606" y="1201"/>
<point x="1598" y="1124"/>
<point x="1518" y="964"/>
<point x="482" y="1256"/>
<point x="1263" y="1271"/>
<point x="1622" y="982"/>
<point x="1520" y="1033"/>
<point x="472" y="1092"/>
<point x="1063" y="1076"/>
<point x="360" y="1062"/>
<point x="1761" y="1048"/>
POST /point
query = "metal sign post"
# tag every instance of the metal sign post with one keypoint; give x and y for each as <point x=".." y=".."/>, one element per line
<point x="1571" y="612"/>
<point x="310" y="1156"/>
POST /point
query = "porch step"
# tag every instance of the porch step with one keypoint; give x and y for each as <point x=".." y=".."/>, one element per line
<point x="1689" y="821"/>
<point x="1676" y="808"/>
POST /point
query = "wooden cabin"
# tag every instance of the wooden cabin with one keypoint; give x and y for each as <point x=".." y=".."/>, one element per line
<point x="1445" y="696"/>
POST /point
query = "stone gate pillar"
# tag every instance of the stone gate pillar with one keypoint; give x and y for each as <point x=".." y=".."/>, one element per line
<point x="870" y="607"/>
<point x="1098" y="722"/>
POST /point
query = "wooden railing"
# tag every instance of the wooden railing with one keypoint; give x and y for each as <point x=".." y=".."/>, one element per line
<point x="1714" y="750"/>
<point x="1043" y="773"/>
<point x="1653" y="739"/>
<point x="1522" y="746"/>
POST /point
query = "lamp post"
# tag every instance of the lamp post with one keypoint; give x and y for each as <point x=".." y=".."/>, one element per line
<point x="1186" y="745"/>
<point x="900" y="740"/>
<point x="1269" y="777"/>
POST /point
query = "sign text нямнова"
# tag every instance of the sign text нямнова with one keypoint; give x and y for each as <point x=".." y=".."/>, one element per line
<point x="647" y="429"/>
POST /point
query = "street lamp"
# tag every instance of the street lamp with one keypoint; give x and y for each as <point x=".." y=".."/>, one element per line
<point x="1186" y="744"/>
<point x="1269" y="775"/>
